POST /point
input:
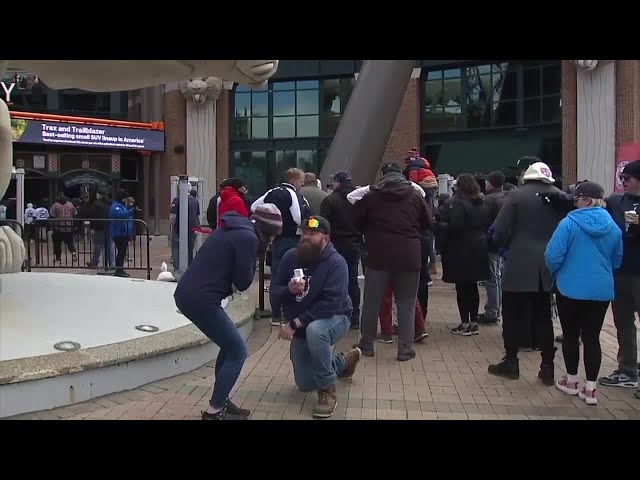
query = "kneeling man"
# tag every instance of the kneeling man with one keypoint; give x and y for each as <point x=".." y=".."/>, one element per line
<point x="312" y="284"/>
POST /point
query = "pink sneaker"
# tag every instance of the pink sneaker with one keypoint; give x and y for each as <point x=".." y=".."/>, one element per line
<point x="570" y="388"/>
<point x="589" y="396"/>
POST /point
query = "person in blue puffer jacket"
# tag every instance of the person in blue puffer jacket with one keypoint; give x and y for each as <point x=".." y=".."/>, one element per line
<point x="121" y="231"/>
<point x="582" y="255"/>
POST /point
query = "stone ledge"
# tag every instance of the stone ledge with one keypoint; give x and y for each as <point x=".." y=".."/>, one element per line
<point x="46" y="366"/>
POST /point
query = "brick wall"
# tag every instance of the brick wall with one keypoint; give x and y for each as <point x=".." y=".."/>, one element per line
<point x="627" y="101"/>
<point x="406" y="130"/>
<point x="569" y="123"/>
<point x="176" y="134"/>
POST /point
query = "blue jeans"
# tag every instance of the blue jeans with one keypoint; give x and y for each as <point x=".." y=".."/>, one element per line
<point x="314" y="364"/>
<point x="352" y="257"/>
<point x="214" y="322"/>
<point x="493" y="286"/>
<point x="278" y="248"/>
<point x="99" y="239"/>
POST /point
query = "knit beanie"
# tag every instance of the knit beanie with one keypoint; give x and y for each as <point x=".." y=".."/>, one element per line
<point x="268" y="219"/>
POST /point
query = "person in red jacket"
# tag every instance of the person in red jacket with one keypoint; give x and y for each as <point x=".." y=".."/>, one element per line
<point x="232" y="199"/>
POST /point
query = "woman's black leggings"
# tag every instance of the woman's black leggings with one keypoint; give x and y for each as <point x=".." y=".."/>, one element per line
<point x="468" y="301"/>
<point x="581" y="318"/>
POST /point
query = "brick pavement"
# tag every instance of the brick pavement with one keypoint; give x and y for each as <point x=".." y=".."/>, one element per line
<point x="447" y="380"/>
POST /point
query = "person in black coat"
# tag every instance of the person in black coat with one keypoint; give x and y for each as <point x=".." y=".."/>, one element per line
<point x="345" y="237"/>
<point x="462" y="228"/>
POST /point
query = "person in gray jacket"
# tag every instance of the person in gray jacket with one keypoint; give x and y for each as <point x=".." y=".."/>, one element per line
<point x="494" y="199"/>
<point x="526" y="223"/>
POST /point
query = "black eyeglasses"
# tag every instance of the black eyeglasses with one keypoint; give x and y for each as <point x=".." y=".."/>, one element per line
<point x="625" y="178"/>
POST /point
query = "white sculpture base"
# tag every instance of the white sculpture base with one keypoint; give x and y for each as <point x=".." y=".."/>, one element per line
<point x="38" y="310"/>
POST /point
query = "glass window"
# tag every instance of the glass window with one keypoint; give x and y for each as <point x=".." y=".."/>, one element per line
<point x="504" y="81"/>
<point x="505" y="114"/>
<point x="307" y="85"/>
<point x="443" y="100"/>
<point x="242" y="127"/>
<point x="251" y="168"/>
<point x="243" y="105"/>
<point x="478" y="92"/>
<point x="532" y="110"/>
<point x="308" y="161"/>
<point x="307" y="102"/>
<point x="284" y="85"/>
<point x="260" y="128"/>
<point x="307" y="126"/>
<point x="551" y="80"/>
<point x="284" y="127"/>
<point x="285" y="159"/>
<point x="284" y="103"/>
<point x="331" y="91"/>
<point x="551" y="109"/>
<point x="260" y="104"/>
<point x="532" y="82"/>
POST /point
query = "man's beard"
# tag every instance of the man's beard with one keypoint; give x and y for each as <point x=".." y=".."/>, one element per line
<point x="308" y="253"/>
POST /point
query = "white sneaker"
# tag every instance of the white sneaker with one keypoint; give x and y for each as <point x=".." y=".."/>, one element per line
<point x="589" y="396"/>
<point x="570" y="388"/>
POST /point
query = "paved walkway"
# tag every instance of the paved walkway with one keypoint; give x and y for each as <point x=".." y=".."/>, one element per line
<point x="447" y="380"/>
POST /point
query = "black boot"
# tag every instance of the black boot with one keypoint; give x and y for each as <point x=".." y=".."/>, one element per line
<point x="546" y="373"/>
<point x="507" y="368"/>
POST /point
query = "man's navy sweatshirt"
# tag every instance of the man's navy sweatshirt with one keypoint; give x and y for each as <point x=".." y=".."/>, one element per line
<point x="227" y="258"/>
<point x="326" y="293"/>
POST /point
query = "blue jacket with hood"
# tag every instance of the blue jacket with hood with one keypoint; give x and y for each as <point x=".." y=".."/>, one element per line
<point x="583" y="253"/>
<point x="227" y="258"/>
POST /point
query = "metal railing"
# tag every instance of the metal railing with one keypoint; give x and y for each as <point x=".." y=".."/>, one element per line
<point x="17" y="227"/>
<point x="87" y="243"/>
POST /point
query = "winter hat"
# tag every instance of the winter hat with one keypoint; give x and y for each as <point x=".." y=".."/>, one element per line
<point x="632" y="169"/>
<point x="267" y="219"/>
<point x="341" y="177"/>
<point x="390" y="167"/>
<point x="539" y="171"/>
<point x="589" y="190"/>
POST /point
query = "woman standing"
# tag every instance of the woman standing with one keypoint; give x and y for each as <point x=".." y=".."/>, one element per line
<point x="582" y="254"/>
<point x="462" y="230"/>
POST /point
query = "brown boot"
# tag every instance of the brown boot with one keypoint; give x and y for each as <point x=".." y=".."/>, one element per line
<point x="327" y="403"/>
<point x="352" y="357"/>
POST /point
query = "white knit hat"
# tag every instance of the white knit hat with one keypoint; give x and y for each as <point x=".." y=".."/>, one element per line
<point x="538" y="171"/>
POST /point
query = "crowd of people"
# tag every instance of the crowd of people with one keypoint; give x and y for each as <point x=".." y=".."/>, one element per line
<point x="532" y="246"/>
<point x="111" y="228"/>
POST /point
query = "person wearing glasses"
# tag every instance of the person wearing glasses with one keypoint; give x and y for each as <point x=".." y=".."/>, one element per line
<point x="623" y="208"/>
<point x="587" y="232"/>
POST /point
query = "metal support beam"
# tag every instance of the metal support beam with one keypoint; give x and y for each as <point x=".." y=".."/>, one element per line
<point x="363" y="133"/>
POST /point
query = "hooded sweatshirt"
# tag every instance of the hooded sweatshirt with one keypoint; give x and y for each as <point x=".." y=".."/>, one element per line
<point x="583" y="253"/>
<point x="231" y="201"/>
<point x="227" y="258"/>
<point x="326" y="293"/>
<point x="392" y="217"/>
